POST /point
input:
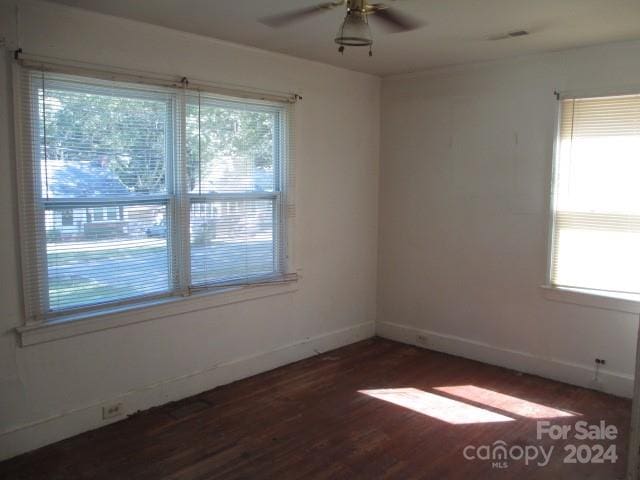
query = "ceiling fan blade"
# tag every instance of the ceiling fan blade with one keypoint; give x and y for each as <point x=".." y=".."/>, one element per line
<point x="394" y="20"/>
<point x="283" y="19"/>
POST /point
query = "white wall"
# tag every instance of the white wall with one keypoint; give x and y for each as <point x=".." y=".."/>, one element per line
<point x="56" y="389"/>
<point x="466" y="159"/>
<point x="465" y="177"/>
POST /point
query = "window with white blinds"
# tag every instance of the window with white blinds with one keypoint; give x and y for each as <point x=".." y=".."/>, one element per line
<point x="596" y="218"/>
<point x="234" y="189"/>
<point x="132" y="192"/>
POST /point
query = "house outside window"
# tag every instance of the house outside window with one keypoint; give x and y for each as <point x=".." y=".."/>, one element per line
<point x="133" y="192"/>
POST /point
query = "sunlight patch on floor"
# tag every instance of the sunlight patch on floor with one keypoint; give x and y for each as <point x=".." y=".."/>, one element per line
<point x="436" y="406"/>
<point x="500" y="401"/>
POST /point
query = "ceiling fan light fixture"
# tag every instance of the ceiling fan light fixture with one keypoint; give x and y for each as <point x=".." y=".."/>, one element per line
<point x="354" y="31"/>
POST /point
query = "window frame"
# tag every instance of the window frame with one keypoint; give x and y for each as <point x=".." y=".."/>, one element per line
<point x="278" y="196"/>
<point x="601" y="299"/>
<point x="177" y="201"/>
<point x="43" y="312"/>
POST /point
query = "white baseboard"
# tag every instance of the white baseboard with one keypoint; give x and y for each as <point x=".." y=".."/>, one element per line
<point x="67" y="424"/>
<point x="582" y="375"/>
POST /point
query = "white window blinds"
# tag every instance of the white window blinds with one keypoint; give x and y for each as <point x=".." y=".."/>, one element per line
<point x="596" y="228"/>
<point x="131" y="192"/>
<point x="235" y="189"/>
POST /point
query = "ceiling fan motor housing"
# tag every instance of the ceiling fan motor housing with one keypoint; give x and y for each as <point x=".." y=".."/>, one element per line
<point x="354" y="30"/>
<point x="356" y="5"/>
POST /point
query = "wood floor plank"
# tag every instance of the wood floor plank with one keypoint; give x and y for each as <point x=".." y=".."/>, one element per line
<point x="311" y="420"/>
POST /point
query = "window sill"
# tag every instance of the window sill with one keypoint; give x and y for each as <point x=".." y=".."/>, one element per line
<point x="628" y="303"/>
<point x="75" y="325"/>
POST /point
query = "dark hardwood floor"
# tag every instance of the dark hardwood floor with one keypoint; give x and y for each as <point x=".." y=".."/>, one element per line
<point x="310" y="420"/>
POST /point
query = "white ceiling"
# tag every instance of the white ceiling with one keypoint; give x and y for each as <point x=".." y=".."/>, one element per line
<point x="456" y="32"/>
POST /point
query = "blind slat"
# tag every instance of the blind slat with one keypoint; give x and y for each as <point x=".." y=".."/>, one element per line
<point x="596" y="230"/>
<point x="133" y="192"/>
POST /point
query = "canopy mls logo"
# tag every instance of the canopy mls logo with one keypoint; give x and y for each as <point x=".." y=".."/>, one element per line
<point x="499" y="453"/>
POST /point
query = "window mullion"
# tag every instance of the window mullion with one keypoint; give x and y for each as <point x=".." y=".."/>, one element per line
<point x="180" y="229"/>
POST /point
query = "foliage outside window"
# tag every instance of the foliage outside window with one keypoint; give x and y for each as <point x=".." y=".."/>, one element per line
<point x="135" y="192"/>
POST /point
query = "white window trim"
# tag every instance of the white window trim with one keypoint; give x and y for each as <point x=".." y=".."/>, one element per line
<point x="606" y="300"/>
<point x="65" y="326"/>
<point x="627" y="303"/>
<point x="106" y="319"/>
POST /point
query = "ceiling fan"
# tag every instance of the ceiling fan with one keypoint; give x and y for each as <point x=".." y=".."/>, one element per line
<point x="354" y="30"/>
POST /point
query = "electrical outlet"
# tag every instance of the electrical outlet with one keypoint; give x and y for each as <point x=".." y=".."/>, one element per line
<point x="112" y="411"/>
<point x="422" y="339"/>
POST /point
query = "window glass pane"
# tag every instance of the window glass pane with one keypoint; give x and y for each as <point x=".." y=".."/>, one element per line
<point x="231" y="148"/>
<point x="98" y="141"/>
<point x="102" y="181"/>
<point x="92" y="261"/>
<point x="66" y="217"/>
<point x="593" y="257"/>
<point x="597" y="204"/>
<point x="600" y="174"/>
<point x="232" y="240"/>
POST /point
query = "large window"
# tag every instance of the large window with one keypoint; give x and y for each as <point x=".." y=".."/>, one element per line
<point x="596" y="218"/>
<point x="133" y="192"/>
